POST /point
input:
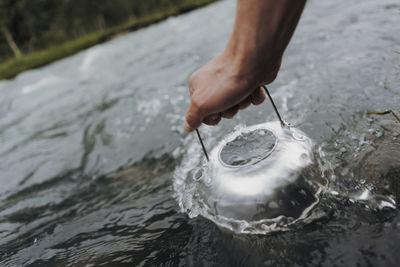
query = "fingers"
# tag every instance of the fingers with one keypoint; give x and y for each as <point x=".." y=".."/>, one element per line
<point x="194" y="117"/>
<point x="230" y="113"/>
<point x="245" y="103"/>
<point x="257" y="97"/>
<point x="212" y="119"/>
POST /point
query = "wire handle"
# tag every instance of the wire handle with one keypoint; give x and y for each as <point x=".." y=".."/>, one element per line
<point x="283" y="123"/>
<point x="202" y="145"/>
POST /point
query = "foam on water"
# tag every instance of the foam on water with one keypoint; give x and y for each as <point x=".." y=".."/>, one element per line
<point x="260" y="179"/>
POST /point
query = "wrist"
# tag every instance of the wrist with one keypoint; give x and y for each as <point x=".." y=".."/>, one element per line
<point x="251" y="62"/>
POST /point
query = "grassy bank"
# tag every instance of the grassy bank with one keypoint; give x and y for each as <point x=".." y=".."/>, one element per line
<point x="12" y="67"/>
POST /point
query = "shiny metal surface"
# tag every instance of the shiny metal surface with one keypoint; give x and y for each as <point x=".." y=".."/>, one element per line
<point x="280" y="184"/>
<point x="118" y="107"/>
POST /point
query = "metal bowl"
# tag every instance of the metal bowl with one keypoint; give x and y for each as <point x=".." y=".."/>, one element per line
<point x="261" y="172"/>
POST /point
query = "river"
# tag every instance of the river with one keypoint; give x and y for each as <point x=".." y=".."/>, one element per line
<point x="90" y="145"/>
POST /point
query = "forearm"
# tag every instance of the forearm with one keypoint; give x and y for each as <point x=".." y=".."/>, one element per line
<point x="262" y="31"/>
<point x="252" y="58"/>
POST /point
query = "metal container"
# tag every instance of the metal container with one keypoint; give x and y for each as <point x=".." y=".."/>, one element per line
<point x="262" y="172"/>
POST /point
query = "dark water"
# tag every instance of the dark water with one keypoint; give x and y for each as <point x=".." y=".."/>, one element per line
<point x="90" y="145"/>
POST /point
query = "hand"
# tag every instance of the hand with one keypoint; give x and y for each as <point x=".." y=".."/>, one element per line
<point x="221" y="88"/>
<point x="252" y="58"/>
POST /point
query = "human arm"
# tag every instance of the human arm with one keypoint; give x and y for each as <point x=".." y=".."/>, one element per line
<point x="252" y="57"/>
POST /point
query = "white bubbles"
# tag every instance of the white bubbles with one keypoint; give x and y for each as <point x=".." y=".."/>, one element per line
<point x="270" y="181"/>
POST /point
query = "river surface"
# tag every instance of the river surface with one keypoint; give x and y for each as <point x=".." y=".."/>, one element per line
<point x="90" y="145"/>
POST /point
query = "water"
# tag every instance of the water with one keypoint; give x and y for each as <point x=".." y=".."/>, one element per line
<point x="248" y="148"/>
<point x="278" y="188"/>
<point x="90" y="145"/>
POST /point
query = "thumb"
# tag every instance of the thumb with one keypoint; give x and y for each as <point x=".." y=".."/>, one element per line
<point x="194" y="118"/>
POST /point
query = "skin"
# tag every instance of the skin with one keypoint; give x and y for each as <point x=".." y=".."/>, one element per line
<point x="231" y="81"/>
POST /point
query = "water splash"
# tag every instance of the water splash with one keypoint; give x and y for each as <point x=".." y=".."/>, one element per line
<point x="278" y="187"/>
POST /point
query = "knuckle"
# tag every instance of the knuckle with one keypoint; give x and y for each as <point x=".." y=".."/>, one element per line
<point x="192" y="79"/>
<point x="194" y="116"/>
<point x="191" y="119"/>
<point x="198" y="106"/>
<point x="191" y="83"/>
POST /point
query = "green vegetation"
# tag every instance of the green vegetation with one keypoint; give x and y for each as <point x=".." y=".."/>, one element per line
<point x="58" y="32"/>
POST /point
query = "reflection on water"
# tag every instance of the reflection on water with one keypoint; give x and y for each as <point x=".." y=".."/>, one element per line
<point x="248" y="148"/>
<point x="90" y="145"/>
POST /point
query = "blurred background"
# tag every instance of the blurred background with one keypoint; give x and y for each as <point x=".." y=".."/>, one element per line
<point x="91" y="135"/>
<point x="29" y="26"/>
<point x="38" y="24"/>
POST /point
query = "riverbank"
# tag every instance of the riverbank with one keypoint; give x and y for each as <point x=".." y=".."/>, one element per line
<point x="12" y="67"/>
